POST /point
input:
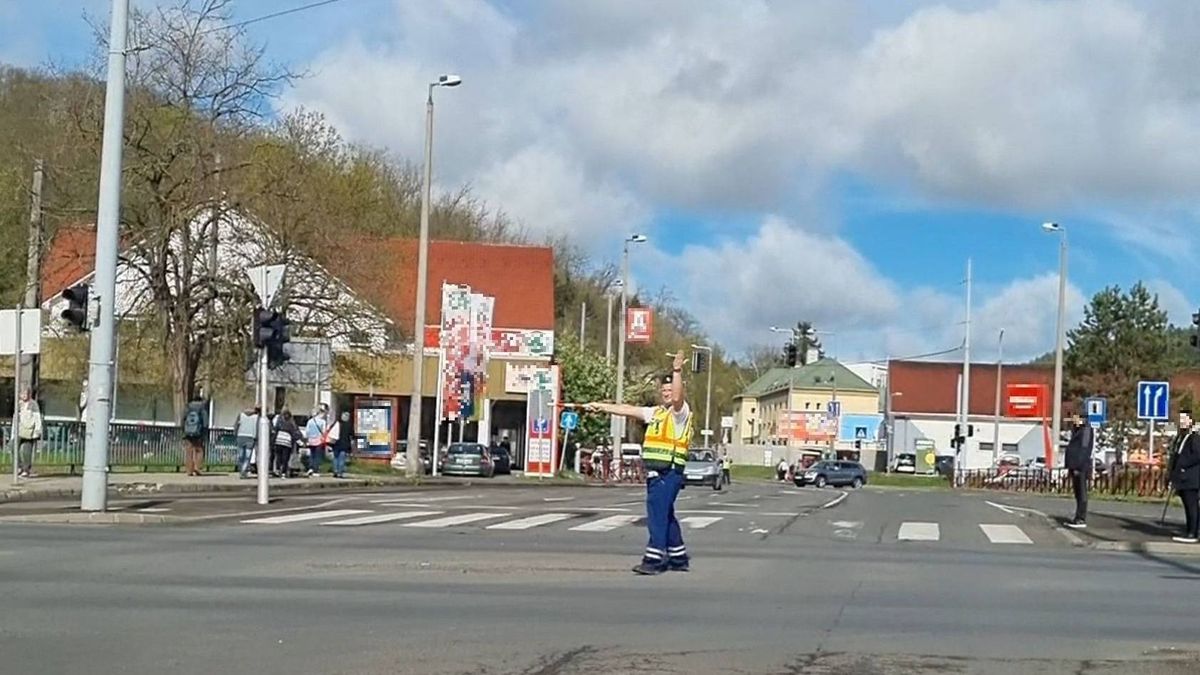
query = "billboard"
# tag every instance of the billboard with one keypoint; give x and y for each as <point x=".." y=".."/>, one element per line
<point x="1026" y="400"/>
<point x="865" y="428"/>
<point x="639" y="324"/>
<point x="806" y="427"/>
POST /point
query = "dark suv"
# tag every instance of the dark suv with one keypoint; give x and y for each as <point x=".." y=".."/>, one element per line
<point x="836" y="473"/>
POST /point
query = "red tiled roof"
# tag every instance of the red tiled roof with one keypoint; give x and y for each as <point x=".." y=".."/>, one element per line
<point x="931" y="387"/>
<point x="70" y="257"/>
<point x="521" y="278"/>
<point x="384" y="273"/>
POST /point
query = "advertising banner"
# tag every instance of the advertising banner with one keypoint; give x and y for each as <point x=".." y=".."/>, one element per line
<point x="639" y="324"/>
<point x="858" y="427"/>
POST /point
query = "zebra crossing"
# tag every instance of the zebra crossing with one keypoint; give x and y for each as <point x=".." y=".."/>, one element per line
<point x="923" y="532"/>
<point x="501" y="520"/>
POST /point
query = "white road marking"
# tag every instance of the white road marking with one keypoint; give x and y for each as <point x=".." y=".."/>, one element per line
<point x="1005" y="534"/>
<point x="1015" y="510"/>
<point x="784" y="514"/>
<point x="919" y="532"/>
<point x="450" y="521"/>
<point x="843" y="524"/>
<point x="710" y="512"/>
<point x="531" y="521"/>
<point x="606" y="524"/>
<point x="301" y="517"/>
<point x="152" y="509"/>
<point x="715" y="503"/>
<point x="545" y="499"/>
<point x="416" y="498"/>
<point x="384" y="518"/>
<point x="601" y="508"/>
<point x="699" y="522"/>
<point x="834" y="502"/>
<point x="760" y="531"/>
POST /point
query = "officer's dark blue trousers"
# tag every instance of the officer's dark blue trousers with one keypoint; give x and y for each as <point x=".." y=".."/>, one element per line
<point x="666" y="547"/>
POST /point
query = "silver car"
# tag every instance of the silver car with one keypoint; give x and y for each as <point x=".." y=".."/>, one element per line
<point x="703" y="468"/>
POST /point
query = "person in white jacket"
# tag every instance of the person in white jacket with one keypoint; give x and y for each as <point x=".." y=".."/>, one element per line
<point x="29" y="432"/>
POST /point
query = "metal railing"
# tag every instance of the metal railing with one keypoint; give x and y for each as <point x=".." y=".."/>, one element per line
<point x="131" y="446"/>
<point x="613" y="470"/>
<point x="1125" y="480"/>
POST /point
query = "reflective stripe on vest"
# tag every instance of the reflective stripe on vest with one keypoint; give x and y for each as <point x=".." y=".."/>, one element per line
<point x="661" y="443"/>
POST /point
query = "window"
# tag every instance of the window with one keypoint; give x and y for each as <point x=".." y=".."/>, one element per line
<point x="985" y="447"/>
<point x="1010" y="447"/>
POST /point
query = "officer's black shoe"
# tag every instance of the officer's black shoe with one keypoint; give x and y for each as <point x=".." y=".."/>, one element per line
<point x="647" y="570"/>
<point x="680" y="568"/>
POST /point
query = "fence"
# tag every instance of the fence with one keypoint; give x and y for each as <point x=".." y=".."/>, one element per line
<point x="602" y="467"/>
<point x="131" y="446"/>
<point x="1125" y="480"/>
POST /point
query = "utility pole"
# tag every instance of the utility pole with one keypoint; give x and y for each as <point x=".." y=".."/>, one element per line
<point x="999" y="377"/>
<point x="966" y="376"/>
<point x="582" y="322"/>
<point x="33" y="271"/>
<point x="94" y="494"/>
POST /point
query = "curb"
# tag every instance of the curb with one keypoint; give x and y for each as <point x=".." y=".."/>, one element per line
<point x="135" y="489"/>
<point x="1153" y="547"/>
<point x="99" y="518"/>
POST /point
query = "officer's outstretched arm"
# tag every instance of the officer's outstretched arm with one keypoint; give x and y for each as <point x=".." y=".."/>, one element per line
<point x="622" y="409"/>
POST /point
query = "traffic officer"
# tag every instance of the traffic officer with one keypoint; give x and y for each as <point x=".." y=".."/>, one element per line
<point x="669" y="430"/>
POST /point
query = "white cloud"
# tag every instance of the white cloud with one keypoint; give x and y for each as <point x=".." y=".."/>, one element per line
<point x="1175" y="302"/>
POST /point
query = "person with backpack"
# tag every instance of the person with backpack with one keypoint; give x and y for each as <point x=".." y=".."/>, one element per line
<point x="285" y="438"/>
<point x="246" y="429"/>
<point x="316" y="434"/>
<point x="195" y="429"/>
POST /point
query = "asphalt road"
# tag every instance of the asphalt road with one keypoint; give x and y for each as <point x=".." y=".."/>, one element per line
<point x="536" y="581"/>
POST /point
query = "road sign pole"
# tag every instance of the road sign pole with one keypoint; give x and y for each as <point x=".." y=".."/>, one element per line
<point x="1150" y="448"/>
<point x="16" y="433"/>
<point x="264" y="431"/>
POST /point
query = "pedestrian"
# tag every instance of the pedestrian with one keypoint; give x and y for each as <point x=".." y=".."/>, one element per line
<point x="247" y="438"/>
<point x="669" y="429"/>
<point x="283" y="443"/>
<point x="195" y="429"/>
<point x="726" y="467"/>
<point x="1079" y="468"/>
<point x="315" y="432"/>
<point x="781" y="470"/>
<point x="1185" y="477"/>
<point x="339" y="437"/>
<point x="29" y="432"/>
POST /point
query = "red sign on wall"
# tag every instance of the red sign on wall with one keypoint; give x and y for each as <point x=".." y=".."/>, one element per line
<point x="639" y="324"/>
<point x="1026" y="400"/>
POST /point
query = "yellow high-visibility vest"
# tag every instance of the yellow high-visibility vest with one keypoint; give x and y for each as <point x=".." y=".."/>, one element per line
<point x="662" y="443"/>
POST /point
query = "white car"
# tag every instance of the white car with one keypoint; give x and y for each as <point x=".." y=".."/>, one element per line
<point x="906" y="462"/>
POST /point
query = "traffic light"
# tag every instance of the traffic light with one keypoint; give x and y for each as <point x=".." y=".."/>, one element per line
<point x="1196" y="330"/>
<point x="970" y="429"/>
<point x="858" y="445"/>
<point x="263" y="326"/>
<point x="76" y="312"/>
<point x="792" y="354"/>
<point x="699" y="361"/>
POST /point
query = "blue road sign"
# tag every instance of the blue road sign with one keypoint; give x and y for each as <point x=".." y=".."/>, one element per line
<point x="570" y="420"/>
<point x="1153" y="400"/>
<point x="835" y="409"/>
<point x="1097" y="410"/>
<point x="541" y="425"/>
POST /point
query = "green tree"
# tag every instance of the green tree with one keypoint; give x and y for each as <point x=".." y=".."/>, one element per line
<point x="1123" y="339"/>
<point x="585" y="378"/>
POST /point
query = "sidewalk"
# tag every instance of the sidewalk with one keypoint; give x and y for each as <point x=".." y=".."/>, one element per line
<point x="145" y="484"/>
<point x="1112" y="526"/>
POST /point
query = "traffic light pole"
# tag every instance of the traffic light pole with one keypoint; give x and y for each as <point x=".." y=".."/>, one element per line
<point x="94" y="494"/>
<point x="264" y="431"/>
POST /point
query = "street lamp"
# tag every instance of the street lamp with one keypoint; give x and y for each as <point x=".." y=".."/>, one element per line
<point x="708" y="393"/>
<point x="1056" y="421"/>
<point x="608" y="326"/>
<point x="631" y="239"/>
<point x="413" y="455"/>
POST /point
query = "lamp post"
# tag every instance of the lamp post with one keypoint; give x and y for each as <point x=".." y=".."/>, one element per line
<point x="1056" y="420"/>
<point x="608" y="326"/>
<point x="413" y="456"/>
<point x="631" y="239"/>
<point x="707" y="394"/>
<point x="999" y="375"/>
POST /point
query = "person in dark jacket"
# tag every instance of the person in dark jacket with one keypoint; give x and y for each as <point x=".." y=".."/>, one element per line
<point x="1079" y="467"/>
<point x="286" y="438"/>
<point x="1185" y="476"/>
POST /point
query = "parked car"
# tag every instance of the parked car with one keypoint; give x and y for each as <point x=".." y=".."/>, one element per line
<point x="906" y="462"/>
<point x="400" y="461"/>
<point x="835" y="473"/>
<point x="469" y="459"/>
<point x="944" y="465"/>
<point x="703" y="468"/>
<point x="501" y="459"/>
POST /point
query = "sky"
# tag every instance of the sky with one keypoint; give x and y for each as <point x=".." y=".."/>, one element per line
<point x="831" y="161"/>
